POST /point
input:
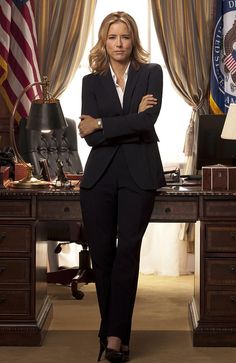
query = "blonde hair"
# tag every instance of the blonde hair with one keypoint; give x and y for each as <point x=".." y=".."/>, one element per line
<point x="98" y="58"/>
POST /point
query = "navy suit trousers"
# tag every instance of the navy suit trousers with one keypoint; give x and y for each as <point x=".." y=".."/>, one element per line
<point x="116" y="213"/>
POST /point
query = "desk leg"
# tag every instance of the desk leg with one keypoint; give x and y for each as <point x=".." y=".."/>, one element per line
<point x="43" y="304"/>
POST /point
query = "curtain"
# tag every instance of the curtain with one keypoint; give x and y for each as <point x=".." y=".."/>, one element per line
<point x="62" y="28"/>
<point x="185" y="30"/>
<point x="162" y="252"/>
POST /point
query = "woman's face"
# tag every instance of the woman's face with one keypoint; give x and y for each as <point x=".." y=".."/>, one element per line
<point x="119" y="43"/>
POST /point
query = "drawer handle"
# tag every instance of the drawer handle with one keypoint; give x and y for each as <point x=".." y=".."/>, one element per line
<point x="66" y="209"/>
<point x="2" y="268"/>
<point x="233" y="235"/>
<point x="233" y="299"/>
<point x="2" y="300"/>
<point x="232" y="268"/>
<point x="167" y="210"/>
<point x="2" y="236"/>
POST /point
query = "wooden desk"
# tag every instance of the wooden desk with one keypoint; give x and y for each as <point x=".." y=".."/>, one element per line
<point x="25" y="308"/>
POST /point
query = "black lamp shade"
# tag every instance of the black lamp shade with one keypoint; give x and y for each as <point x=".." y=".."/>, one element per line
<point x="46" y="116"/>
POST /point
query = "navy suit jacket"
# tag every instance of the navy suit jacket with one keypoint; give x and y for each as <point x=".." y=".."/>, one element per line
<point x="124" y="126"/>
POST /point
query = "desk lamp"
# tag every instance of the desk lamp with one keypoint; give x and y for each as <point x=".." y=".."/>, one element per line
<point x="229" y="129"/>
<point x="45" y="115"/>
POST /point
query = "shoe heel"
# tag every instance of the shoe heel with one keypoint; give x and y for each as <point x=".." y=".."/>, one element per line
<point x="113" y="356"/>
<point x="101" y="350"/>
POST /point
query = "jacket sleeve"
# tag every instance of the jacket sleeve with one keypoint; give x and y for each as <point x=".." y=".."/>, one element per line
<point x="90" y="107"/>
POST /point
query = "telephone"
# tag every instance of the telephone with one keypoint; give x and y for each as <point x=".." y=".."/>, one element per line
<point x="172" y="176"/>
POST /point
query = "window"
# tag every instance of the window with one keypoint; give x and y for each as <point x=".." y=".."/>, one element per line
<point x="175" y="112"/>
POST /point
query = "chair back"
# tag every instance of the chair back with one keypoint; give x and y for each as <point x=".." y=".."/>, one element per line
<point x="56" y="145"/>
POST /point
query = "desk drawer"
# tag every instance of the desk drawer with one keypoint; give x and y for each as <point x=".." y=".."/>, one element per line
<point x="221" y="304"/>
<point x="220" y="238"/>
<point x="54" y="210"/>
<point x="175" y="210"/>
<point x="14" y="304"/>
<point x="15" y="238"/>
<point x="15" y="270"/>
<point x="15" y="208"/>
<point x="220" y="271"/>
<point x="219" y="209"/>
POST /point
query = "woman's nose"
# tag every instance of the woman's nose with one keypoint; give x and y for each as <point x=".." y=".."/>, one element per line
<point x="118" y="42"/>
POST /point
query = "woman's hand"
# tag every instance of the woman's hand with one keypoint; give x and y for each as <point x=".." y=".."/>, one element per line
<point x="147" y="101"/>
<point x="87" y="125"/>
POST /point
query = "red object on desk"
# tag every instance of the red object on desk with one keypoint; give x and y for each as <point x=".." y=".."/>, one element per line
<point x="20" y="171"/>
<point x="74" y="176"/>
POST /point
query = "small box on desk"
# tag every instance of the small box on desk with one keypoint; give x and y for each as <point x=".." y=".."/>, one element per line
<point x="20" y="171"/>
<point x="218" y="177"/>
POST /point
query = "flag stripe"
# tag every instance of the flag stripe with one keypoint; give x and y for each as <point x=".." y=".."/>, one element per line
<point x="28" y="16"/>
<point x="18" y="54"/>
<point x="26" y="23"/>
<point x="20" y="74"/>
<point x="28" y="46"/>
<point x="4" y="20"/>
<point x="4" y="31"/>
<point x="12" y="98"/>
<point x="3" y="51"/>
<point x="231" y="64"/>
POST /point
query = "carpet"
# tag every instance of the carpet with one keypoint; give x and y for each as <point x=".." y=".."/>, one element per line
<point x="161" y="332"/>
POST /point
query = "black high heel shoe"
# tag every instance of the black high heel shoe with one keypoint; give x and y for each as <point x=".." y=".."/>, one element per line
<point x="125" y="355"/>
<point x="103" y="346"/>
<point x="113" y="356"/>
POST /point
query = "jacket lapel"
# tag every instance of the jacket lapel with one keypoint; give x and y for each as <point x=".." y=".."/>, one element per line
<point x="108" y="84"/>
<point x="133" y="77"/>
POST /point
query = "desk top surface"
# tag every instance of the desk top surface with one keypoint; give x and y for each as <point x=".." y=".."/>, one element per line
<point x="74" y="192"/>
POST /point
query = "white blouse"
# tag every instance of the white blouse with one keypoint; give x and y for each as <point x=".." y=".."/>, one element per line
<point x="120" y="91"/>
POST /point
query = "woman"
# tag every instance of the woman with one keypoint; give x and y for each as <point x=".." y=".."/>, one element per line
<point x="121" y="100"/>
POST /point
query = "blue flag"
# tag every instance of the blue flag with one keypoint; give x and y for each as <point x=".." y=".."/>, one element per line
<point x="223" y="73"/>
<point x="19" y="3"/>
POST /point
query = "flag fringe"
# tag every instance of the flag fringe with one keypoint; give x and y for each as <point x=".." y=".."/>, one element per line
<point x="214" y="107"/>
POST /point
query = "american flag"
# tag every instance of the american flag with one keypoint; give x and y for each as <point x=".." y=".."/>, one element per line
<point x="229" y="61"/>
<point x="18" y="54"/>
